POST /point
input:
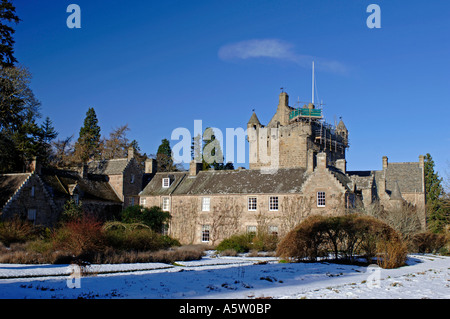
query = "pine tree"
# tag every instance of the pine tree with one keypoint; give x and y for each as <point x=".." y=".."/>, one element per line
<point x="48" y="131"/>
<point x="7" y="16"/>
<point x="88" y="145"/>
<point x="437" y="213"/>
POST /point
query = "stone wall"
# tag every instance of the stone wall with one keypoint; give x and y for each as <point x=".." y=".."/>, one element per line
<point x="230" y="214"/>
<point x="32" y="196"/>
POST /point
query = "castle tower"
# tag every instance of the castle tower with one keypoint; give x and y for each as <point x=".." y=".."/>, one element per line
<point x="294" y="137"/>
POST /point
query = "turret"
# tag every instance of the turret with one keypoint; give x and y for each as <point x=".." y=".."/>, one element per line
<point x="253" y="122"/>
<point x="342" y="130"/>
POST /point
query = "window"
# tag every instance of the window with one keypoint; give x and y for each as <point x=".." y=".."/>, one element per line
<point x="131" y="201"/>
<point x="205" y="233"/>
<point x="273" y="203"/>
<point x="252" y="203"/>
<point x="132" y="179"/>
<point x="165" y="182"/>
<point x="273" y="230"/>
<point x="33" y="189"/>
<point x="206" y="204"/>
<point x="76" y="199"/>
<point x="320" y="199"/>
<point x="251" y="230"/>
<point x="165" y="204"/>
<point x="143" y="201"/>
<point x="165" y="230"/>
<point x="32" y="214"/>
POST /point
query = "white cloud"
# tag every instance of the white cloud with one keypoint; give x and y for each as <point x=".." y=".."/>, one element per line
<point x="276" y="49"/>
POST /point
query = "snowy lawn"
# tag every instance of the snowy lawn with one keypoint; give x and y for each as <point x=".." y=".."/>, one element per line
<point x="425" y="276"/>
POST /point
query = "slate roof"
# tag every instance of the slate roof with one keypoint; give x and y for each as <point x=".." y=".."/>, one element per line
<point x="361" y="179"/>
<point x="61" y="183"/>
<point x="9" y="184"/>
<point x="228" y="182"/>
<point x="407" y="175"/>
<point x="154" y="187"/>
<point x="108" y="167"/>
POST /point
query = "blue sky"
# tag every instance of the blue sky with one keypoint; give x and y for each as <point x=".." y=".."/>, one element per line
<point x="159" y="65"/>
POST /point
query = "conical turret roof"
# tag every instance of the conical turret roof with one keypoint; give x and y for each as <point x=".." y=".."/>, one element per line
<point x="341" y="126"/>
<point x="396" y="194"/>
<point x="254" y="119"/>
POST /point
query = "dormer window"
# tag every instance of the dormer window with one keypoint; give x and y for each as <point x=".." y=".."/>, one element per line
<point x="166" y="182"/>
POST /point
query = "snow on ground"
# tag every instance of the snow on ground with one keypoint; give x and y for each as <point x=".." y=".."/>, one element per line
<point x="425" y="276"/>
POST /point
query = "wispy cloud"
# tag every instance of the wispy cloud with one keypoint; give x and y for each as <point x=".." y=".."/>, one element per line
<point x="276" y="49"/>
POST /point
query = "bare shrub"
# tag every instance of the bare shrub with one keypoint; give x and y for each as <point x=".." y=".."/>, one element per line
<point x="16" y="230"/>
<point x="427" y="242"/>
<point x="81" y="236"/>
<point x="346" y="236"/>
<point x="392" y="253"/>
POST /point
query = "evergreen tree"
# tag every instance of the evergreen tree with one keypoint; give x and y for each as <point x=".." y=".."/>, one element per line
<point x="88" y="145"/>
<point x="164" y="157"/>
<point x="47" y="134"/>
<point x="436" y="211"/>
<point x="7" y="16"/>
<point x="48" y="131"/>
<point x="20" y="136"/>
<point x="212" y="155"/>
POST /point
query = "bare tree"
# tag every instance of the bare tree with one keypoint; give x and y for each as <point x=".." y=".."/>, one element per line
<point x="294" y="208"/>
<point x="185" y="219"/>
<point x="225" y="218"/>
<point x="62" y="156"/>
<point x="116" y="145"/>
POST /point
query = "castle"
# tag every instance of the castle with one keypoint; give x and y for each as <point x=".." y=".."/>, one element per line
<point x="297" y="168"/>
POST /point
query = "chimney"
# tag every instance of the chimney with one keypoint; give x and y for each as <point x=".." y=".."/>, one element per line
<point x="150" y="166"/>
<point x="194" y="168"/>
<point x="84" y="171"/>
<point x="322" y="160"/>
<point x="421" y="161"/>
<point x="341" y="164"/>
<point x="310" y="161"/>
<point x="35" y="166"/>
<point x="381" y="186"/>
<point x="385" y="162"/>
<point x="130" y="153"/>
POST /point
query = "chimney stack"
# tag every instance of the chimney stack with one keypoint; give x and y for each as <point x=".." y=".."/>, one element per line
<point x="322" y="160"/>
<point x="194" y="168"/>
<point x="35" y="166"/>
<point x="385" y="162"/>
<point x="310" y="161"/>
<point x="421" y="161"/>
<point x="84" y="171"/>
<point x="341" y="164"/>
<point x="150" y="166"/>
<point x="130" y="153"/>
